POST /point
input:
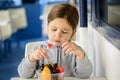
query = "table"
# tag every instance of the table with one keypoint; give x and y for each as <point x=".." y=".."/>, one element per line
<point x="66" y="78"/>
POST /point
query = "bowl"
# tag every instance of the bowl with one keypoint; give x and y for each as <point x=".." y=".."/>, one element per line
<point x="53" y="76"/>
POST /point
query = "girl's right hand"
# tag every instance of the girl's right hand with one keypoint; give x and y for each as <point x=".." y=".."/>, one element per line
<point x="38" y="54"/>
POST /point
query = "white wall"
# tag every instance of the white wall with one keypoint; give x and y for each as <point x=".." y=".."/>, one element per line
<point x="112" y="61"/>
<point x="103" y="55"/>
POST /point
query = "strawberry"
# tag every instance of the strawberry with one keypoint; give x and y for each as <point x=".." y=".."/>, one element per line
<point x="60" y="69"/>
<point x="49" y="45"/>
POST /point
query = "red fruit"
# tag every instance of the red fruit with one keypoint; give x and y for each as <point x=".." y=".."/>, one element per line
<point x="60" y="69"/>
<point x="49" y="45"/>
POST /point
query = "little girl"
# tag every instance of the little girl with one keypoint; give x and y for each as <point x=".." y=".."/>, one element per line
<point x="62" y="22"/>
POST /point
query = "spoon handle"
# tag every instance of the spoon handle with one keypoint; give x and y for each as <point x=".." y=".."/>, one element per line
<point x="58" y="56"/>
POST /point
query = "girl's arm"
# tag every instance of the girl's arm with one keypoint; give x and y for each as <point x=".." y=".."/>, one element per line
<point x="81" y="65"/>
<point x="83" y="68"/>
<point x="26" y="69"/>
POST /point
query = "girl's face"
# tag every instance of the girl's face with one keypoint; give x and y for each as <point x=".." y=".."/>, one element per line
<point x="59" y="31"/>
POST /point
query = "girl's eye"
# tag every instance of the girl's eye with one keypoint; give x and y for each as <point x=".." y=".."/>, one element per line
<point x="54" y="29"/>
<point x="64" y="32"/>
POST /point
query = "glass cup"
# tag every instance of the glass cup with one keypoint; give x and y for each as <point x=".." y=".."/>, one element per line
<point x="53" y="76"/>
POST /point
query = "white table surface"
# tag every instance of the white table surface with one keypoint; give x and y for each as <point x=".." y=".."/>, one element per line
<point x="66" y="78"/>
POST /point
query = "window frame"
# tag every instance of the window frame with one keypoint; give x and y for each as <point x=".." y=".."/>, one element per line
<point x="98" y="17"/>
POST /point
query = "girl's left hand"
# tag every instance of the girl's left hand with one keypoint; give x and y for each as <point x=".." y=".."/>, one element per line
<point x="72" y="48"/>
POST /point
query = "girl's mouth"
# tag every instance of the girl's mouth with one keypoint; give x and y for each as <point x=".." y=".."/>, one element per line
<point x="57" y="41"/>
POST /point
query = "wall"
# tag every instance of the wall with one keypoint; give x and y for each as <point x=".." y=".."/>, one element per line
<point x="104" y="56"/>
<point x="34" y="27"/>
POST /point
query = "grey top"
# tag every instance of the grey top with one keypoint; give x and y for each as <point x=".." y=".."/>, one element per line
<point x="72" y="66"/>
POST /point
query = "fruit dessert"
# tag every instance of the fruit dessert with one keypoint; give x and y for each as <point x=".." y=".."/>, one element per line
<point x="51" y="72"/>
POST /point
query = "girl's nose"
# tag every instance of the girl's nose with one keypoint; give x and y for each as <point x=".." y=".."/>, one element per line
<point x="58" y="34"/>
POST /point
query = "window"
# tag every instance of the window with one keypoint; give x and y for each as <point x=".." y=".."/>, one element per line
<point x="89" y="8"/>
<point x="114" y="13"/>
<point x="89" y="5"/>
<point x="106" y="19"/>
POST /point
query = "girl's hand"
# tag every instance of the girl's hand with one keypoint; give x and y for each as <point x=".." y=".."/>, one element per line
<point x="71" y="48"/>
<point x="38" y="54"/>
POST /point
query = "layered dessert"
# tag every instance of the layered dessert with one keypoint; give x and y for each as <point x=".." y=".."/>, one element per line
<point x="51" y="72"/>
